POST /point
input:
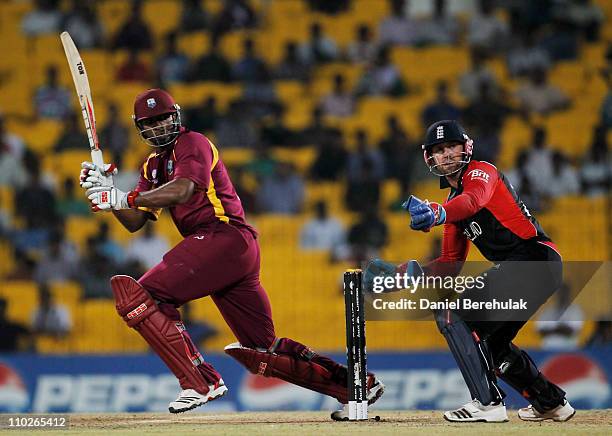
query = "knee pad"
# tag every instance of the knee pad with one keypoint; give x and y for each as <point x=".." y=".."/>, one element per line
<point x="296" y="370"/>
<point x="166" y="337"/>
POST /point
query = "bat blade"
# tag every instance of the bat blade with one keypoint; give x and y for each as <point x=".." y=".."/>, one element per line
<point x="81" y="83"/>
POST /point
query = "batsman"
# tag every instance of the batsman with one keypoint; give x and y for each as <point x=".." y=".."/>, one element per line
<point x="218" y="257"/>
<point x="484" y="209"/>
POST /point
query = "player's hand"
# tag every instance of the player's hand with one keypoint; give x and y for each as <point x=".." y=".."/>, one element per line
<point x="105" y="198"/>
<point x="381" y="268"/>
<point x="423" y="214"/>
<point x="93" y="176"/>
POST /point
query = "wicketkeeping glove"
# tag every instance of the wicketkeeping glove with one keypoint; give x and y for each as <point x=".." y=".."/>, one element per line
<point x="93" y="176"/>
<point x="423" y="214"/>
<point x="104" y="198"/>
<point x="381" y="268"/>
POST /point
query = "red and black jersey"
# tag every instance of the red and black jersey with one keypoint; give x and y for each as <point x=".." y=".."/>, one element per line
<point x="486" y="210"/>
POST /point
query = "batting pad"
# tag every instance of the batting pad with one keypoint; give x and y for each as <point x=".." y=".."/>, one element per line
<point x="140" y="312"/>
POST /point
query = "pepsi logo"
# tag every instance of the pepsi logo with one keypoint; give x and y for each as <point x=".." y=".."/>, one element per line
<point x="267" y="393"/>
<point x="13" y="393"/>
<point x="580" y="377"/>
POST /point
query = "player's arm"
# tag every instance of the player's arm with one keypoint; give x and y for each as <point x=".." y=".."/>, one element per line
<point x="455" y="247"/>
<point x="131" y="219"/>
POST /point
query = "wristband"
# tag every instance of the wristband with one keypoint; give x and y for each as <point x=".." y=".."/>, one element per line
<point x="131" y="198"/>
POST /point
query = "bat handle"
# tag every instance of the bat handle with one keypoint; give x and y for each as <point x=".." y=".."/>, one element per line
<point x="97" y="158"/>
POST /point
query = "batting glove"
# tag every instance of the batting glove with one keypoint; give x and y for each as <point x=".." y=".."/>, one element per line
<point x="423" y="214"/>
<point x="104" y="198"/>
<point x="93" y="176"/>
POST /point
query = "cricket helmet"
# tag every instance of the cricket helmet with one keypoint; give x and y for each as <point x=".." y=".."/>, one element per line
<point x="446" y="131"/>
<point x="153" y="105"/>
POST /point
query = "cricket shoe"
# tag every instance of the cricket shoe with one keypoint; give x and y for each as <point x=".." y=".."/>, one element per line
<point x="375" y="390"/>
<point x="474" y="411"/>
<point x="190" y="399"/>
<point x="561" y="413"/>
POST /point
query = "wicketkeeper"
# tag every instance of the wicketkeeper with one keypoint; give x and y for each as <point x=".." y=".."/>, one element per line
<point x="218" y="257"/>
<point x="484" y="209"/>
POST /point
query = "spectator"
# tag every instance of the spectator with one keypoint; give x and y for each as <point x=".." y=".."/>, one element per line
<point x="485" y="117"/>
<point x="584" y="16"/>
<point x="399" y="153"/>
<point x="44" y="18"/>
<point x="95" y="271"/>
<point x="105" y="245"/>
<point x="292" y="66"/>
<point x="134" y="34"/>
<point x="319" y="48"/>
<point x="12" y="172"/>
<point x="318" y="131"/>
<point x="50" y="318"/>
<point x="193" y="17"/>
<point x="274" y="132"/>
<point x="470" y="82"/>
<point x="235" y="130"/>
<point x="259" y="96"/>
<point x="331" y="7"/>
<point x="560" y="41"/>
<point x="250" y="66"/>
<point x="51" y="100"/>
<point x="602" y="335"/>
<point x="322" y="232"/>
<point x="71" y="138"/>
<point x="339" y="102"/>
<point x="363" y="49"/>
<point x="283" y="192"/>
<point x="365" y="153"/>
<point x="519" y="179"/>
<point x="244" y="190"/>
<point x="519" y="172"/>
<point x="83" y="24"/>
<point x="236" y="14"/>
<point x="212" y="66"/>
<point x="71" y="204"/>
<point x="606" y="105"/>
<point x="440" y="28"/>
<point x="596" y="171"/>
<point x="560" y="325"/>
<point x="172" y="66"/>
<point x="539" y="97"/>
<point x="6" y="224"/>
<point x="486" y="31"/>
<point x="527" y="57"/>
<point x="204" y="117"/>
<point x="9" y="142"/>
<point x="14" y="337"/>
<point x="539" y="164"/>
<point x="262" y="165"/>
<point x="364" y="190"/>
<point x="114" y="134"/>
<point x="127" y="178"/>
<point x="442" y="108"/>
<point x="148" y="248"/>
<point x="381" y="78"/>
<point x="368" y="235"/>
<point x="134" y="69"/>
<point x="23" y="268"/>
<point x="397" y="28"/>
<point x="330" y="162"/>
<point x="564" y="177"/>
<point x="35" y="203"/>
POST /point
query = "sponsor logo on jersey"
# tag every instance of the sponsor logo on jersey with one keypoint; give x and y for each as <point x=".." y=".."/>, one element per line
<point x="479" y="175"/>
<point x="151" y="103"/>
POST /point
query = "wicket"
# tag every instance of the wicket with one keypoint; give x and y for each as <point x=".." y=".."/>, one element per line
<point x="355" y="345"/>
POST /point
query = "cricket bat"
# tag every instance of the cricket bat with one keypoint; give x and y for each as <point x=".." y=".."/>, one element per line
<point x="81" y="83"/>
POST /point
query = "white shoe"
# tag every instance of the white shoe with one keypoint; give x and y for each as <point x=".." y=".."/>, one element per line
<point x="560" y="413"/>
<point x="476" y="412"/>
<point x="190" y="399"/>
<point x="375" y="390"/>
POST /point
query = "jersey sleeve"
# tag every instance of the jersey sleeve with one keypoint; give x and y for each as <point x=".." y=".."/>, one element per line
<point x="478" y="186"/>
<point x="455" y="247"/>
<point x="194" y="160"/>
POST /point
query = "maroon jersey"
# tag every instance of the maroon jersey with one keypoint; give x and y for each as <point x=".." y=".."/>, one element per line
<point x="194" y="157"/>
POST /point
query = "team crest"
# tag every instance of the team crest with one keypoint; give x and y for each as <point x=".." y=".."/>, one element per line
<point x="170" y="167"/>
<point x="154" y="175"/>
<point x="151" y="103"/>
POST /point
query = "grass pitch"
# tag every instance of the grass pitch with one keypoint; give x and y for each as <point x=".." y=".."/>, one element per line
<point x="592" y="422"/>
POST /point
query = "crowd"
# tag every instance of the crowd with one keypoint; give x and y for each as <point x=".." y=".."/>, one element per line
<point x="533" y="38"/>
